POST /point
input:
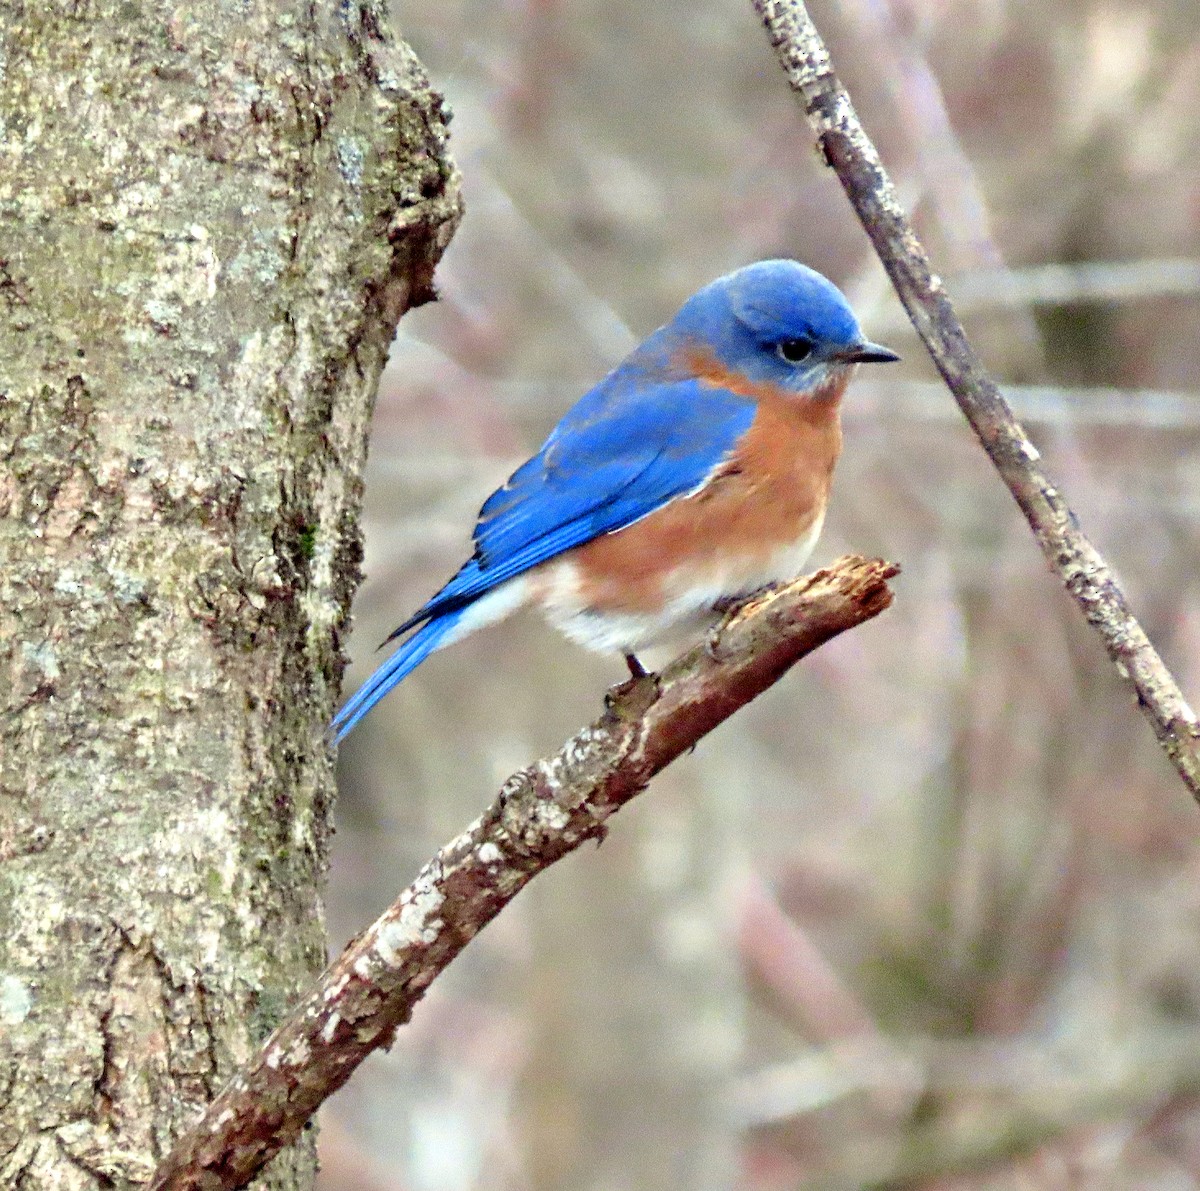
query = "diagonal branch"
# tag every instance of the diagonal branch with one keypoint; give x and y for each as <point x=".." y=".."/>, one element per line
<point x="540" y="815"/>
<point x="1083" y="570"/>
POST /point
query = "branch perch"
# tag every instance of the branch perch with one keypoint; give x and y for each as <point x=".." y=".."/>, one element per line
<point x="542" y="813"/>
<point x="1083" y="570"/>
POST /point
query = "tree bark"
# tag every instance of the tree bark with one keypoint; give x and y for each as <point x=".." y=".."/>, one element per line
<point x="211" y="222"/>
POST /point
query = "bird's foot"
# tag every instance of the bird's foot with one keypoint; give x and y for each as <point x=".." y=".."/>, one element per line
<point x="727" y="604"/>
<point x="632" y="697"/>
<point x="712" y="642"/>
<point x="728" y="608"/>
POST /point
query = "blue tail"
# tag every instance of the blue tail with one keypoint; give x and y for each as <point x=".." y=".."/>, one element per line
<point x="392" y="672"/>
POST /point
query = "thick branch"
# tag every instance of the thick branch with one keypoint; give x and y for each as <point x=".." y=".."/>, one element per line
<point x="540" y="815"/>
<point x="1083" y="570"/>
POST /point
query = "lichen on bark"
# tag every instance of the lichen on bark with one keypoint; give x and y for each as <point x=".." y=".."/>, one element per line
<point x="213" y="216"/>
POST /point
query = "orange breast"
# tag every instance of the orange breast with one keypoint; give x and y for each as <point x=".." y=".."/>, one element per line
<point x="768" y="496"/>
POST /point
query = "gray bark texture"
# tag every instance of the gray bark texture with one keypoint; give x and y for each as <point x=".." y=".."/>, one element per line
<point x="211" y="217"/>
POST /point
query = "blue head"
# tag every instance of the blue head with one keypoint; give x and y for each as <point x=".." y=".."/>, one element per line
<point x="777" y="322"/>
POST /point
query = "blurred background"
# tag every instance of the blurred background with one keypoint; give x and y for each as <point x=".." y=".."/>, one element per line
<point x="928" y="913"/>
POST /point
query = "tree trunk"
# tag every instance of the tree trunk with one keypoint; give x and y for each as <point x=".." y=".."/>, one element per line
<point x="211" y="217"/>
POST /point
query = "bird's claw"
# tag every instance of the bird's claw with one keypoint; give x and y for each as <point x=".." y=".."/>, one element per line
<point x="631" y="699"/>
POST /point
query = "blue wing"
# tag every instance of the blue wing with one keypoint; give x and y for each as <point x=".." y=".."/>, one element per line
<point x="620" y="453"/>
<point x="616" y="456"/>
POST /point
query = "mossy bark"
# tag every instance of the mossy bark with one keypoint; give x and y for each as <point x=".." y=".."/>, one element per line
<point x="211" y="217"/>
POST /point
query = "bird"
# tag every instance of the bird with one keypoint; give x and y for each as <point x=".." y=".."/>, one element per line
<point x="697" y="471"/>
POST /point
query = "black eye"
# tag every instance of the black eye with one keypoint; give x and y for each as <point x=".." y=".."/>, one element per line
<point x="794" y="351"/>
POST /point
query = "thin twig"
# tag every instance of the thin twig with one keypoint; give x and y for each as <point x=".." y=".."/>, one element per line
<point x="1096" y="282"/>
<point x="945" y="170"/>
<point x="1085" y="281"/>
<point x="987" y="1100"/>
<point x="540" y="815"/>
<point x="1084" y="572"/>
<point x="1135" y="410"/>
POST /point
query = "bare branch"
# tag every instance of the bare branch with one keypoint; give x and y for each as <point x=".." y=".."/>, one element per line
<point x="986" y="1101"/>
<point x="1136" y="410"/>
<point x="1108" y="282"/>
<point x="1083" y="570"/>
<point x="1084" y="281"/>
<point x="540" y="815"/>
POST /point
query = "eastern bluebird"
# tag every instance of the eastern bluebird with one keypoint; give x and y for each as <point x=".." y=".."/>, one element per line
<point x="697" y="471"/>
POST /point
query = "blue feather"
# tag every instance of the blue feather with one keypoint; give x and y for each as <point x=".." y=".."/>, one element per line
<point x="636" y="451"/>
<point x="625" y="457"/>
<point x="392" y="672"/>
<point x="646" y="435"/>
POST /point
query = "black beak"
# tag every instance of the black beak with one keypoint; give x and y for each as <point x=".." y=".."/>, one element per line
<point x="866" y="353"/>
